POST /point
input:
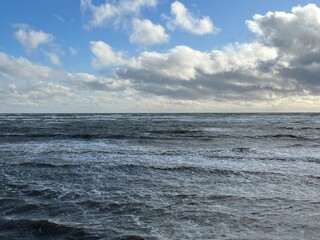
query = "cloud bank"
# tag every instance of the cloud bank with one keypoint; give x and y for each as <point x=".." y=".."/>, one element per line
<point x="278" y="70"/>
<point x="281" y="62"/>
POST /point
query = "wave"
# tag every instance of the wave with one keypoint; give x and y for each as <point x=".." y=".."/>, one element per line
<point x="193" y="169"/>
<point x="135" y="237"/>
<point x="26" y="228"/>
<point x="175" y="131"/>
<point x="224" y="197"/>
<point x="23" y="209"/>
<point x="298" y="128"/>
<point x="80" y="136"/>
<point x="97" y="134"/>
<point x="7" y="201"/>
<point x="46" y="193"/>
<point x="47" y="135"/>
<point x="44" y="165"/>
<point x="197" y="169"/>
<point x="149" y="135"/>
<point x="243" y="150"/>
<point x="288" y="136"/>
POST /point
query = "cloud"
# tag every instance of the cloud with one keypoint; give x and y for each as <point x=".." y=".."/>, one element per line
<point x="181" y="63"/>
<point x="278" y="70"/>
<point x="30" y="38"/>
<point x="296" y="37"/>
<point x="54" y="58"/>
<point x="186" y="73"/>
<point x="147" y="33"/>
<point x="185" y="63"/>
<point x="73" y="51"/>
<point x="30" y="87"/>
<point x="26" y="84"/>
<point x="21" y="69"/>
<point x="282" y="62"/>
<point x="295" y="34"/>
<point x="59" y="18"/>
<point x="105" y="55"/>
<point x="115" y="14"/>
<point x="184" y="20"/>
<point x="91" y="82"/>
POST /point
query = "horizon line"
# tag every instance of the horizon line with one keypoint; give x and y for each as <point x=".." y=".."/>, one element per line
<point x="257" y="112"/>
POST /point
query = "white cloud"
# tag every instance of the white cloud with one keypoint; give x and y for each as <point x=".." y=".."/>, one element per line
<point x="59" y="18"/>
<point x="91" y="82"/>
<point x="53" y="58"/>
<point x="185" y="63"/>
<point x="296" y="37"/>
<point x="294" y="34"/>
<point x="73" y="51"/>
<point x="30" y="38"/>
<point x="25" y="84"/>
<point x="105" y="55"/>
<point x="185" y="73"/>
<point x="113" y="13"/>
<point x="244" y="57"/>
<point x="184" y="20"/>
<point x="283" y="61"/>
<point x="181" y="62"/>
<point x="21" y="69"/>
<point x="147" y="33"/>
<point x="49" y="90"/>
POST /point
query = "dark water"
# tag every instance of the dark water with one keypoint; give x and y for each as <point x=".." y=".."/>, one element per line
<point x="140" y="176"/>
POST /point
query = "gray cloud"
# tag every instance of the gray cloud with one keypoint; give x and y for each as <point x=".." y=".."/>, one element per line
<point x="296" y="36"/>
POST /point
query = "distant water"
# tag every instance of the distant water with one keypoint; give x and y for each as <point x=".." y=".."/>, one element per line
<point x="160" y="176"/>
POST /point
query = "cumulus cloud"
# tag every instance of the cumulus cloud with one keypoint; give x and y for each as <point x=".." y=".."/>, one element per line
<point x="296" y="37"/>
<point x="113" y="13"/>
<point x="21" y="69"/>
<point x="147" y="33"/>
<point x="91" y="82"/>
<point x="54" y="58"/>
<point x="296" y="33"/>
<point x="105" y="55"/>
<point x="280" y="63"/>
<point x="181" y="63"/>
<point x="186" y="73"/>
<point x="283" y="61"/>
<point x="25" y="84"/>
<point x="185" y="63"/>
<point x="30" y="38"/>
<point x="183" y="19"/>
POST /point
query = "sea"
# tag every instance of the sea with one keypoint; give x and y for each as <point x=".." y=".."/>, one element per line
<point x="160" y="176"/>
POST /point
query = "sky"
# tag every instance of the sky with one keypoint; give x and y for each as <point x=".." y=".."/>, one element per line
<point x="159" y="56"/>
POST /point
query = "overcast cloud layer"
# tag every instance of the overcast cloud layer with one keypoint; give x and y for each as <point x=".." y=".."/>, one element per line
<point x="277" y="71"/>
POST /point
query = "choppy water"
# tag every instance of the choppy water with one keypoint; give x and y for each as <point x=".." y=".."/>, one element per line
<point x="158" y="176"/>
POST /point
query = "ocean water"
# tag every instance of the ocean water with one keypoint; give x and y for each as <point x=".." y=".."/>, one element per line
<point x="160" y="176"/>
